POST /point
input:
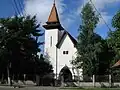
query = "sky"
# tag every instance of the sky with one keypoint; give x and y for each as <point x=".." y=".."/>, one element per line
<point x="68" y="10"/>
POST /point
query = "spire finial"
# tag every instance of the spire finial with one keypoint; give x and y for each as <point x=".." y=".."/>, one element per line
<point x="54" y="2"/>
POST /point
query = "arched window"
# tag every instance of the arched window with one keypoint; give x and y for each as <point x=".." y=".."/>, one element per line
<point x="65" y="52"/>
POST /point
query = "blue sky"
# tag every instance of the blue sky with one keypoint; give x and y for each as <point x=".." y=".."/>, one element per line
<point x="6" y="8"/>
<point x="68" y="10"/>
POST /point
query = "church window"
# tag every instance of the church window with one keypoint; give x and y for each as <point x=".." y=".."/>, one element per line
<point x="65" y="52"/>
<point x="51" y="41"/>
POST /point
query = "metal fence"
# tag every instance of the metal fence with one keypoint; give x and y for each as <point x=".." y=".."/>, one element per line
<point x="97" y="80"/>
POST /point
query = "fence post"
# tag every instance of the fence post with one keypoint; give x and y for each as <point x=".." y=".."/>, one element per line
<point x="110" y="82"/>
<point x="93" y="80"/>
<point x="8" y="75"/>
<point x="24" y="78"/>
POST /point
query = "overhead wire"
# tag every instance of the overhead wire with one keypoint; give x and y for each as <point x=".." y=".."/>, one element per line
<point x="17" y="8"/>
<point x="100" y="15"/>
<point x="21" y="6"/>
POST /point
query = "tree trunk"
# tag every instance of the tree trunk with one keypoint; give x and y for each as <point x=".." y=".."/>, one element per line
<point x="8" y="75"/>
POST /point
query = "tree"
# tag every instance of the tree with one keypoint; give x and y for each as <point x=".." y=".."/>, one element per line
<point x="105" y="58"/>
<point x="44" y="67"/>
<point x="19" y="45"/>
<point x="18" y="41"/>
<point x="114" y="38"/>
<point x="89" y="44"/>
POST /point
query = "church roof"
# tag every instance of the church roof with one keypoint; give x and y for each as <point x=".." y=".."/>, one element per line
<point x="53" y="17"/>
<point x="53" y="20"/>
<point x="62" y="37"/>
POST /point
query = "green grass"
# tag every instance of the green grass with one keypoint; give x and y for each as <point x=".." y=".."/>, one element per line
<point x="90" y="88"/>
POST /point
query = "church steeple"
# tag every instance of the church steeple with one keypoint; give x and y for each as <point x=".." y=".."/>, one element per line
<point x="53" y="17"/>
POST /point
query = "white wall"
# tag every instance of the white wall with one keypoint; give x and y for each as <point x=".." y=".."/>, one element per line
<point x="62" y="59"/>
<point x="65" y="59"/>
<point x="51" y="50"/>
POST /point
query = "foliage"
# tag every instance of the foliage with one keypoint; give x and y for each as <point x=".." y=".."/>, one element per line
<point x="91" y="48"/>
<point x="114" y="37"/>
<point x="105" y="58"/>
<point x="19" y="45"/>
<point x="44" y="67"/>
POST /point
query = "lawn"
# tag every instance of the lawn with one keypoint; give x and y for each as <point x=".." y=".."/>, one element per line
<point x="90" y="89"/>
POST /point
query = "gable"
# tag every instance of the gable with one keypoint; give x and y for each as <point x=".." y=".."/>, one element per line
<point x="63" y="37"/>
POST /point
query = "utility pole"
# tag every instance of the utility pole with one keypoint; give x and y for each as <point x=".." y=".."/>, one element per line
<point x="56" y="62"/>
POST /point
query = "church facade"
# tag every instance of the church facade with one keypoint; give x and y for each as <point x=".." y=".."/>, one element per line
<point x="60" y="46"/>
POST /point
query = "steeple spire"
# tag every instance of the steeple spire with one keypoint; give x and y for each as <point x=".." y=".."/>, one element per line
<point x="53" y="17"/>
<point x="54" y="1"/>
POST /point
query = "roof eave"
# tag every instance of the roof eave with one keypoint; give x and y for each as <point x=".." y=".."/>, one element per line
<point x="53" y="26"/>
<point x="72" y="39"/>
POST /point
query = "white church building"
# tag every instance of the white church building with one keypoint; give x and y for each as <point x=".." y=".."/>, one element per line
<point x="59" y="46"/>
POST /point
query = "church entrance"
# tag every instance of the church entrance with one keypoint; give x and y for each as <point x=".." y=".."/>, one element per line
<point x="65" y="74"/>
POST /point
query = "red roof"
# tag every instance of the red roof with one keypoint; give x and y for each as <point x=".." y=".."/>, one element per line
<point x="53" y="17"/>
<point x="116" y="64"/>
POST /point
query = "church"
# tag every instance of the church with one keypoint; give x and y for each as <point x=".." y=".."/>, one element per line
<point x="60" y="47"/>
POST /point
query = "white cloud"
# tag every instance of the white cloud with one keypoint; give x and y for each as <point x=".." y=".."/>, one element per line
<point x="101" y="6"/>
<point x="104" y="19"/>
<point x="69" y="18"/>
<point x="41" y="8"/>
